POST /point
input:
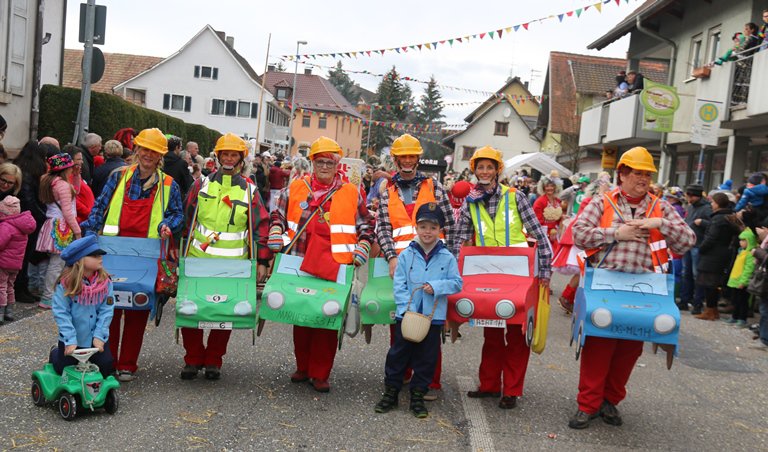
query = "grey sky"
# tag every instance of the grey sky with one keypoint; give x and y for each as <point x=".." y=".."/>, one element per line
<point x="160" y="28"/>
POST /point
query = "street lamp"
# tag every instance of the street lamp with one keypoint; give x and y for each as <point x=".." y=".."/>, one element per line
<point x="293" y="95"/>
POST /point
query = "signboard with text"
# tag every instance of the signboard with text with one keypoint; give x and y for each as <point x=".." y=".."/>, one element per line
<point x="660" y="103"/>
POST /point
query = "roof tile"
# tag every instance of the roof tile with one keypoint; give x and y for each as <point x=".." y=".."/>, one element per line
<point x="119" y="67"/>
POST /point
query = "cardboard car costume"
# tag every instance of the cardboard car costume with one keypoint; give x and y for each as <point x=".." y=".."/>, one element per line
<point x="216" y="294"/>
<point x="132" y="265"/>
<point x="500" y="288"/>
<point x="633" y="306"/>
<point x="294" y="297"/>
<point x="377" y="302"/>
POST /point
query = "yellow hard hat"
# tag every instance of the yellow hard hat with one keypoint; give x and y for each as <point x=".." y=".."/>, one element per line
<point x="487" y="152"/>
<point x="152" y="139"/>
<point x="406" y="145"/>
<point x="231" y="142"/>
<point x="638" y="158"/>
<point x="323" y="145"/>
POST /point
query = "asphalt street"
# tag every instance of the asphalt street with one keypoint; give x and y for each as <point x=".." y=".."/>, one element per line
<point x="714" y="398"/>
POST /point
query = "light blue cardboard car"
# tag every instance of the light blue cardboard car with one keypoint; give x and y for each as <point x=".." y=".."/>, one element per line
<point x="132" y="263"/>
<point x="633" y="306"/>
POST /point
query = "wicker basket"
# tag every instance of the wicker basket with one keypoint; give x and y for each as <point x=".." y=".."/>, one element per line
<point x="415" y="326"/>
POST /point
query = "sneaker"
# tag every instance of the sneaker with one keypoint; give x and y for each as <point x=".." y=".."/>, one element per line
<point x="730" y="321"/>
<point x="566" y="305"/>
<point x="482" y="394"/>
<point x="321" y="385"/>
<point x="190" y="372"/>
<point x="388" y="400"/>
<point x="738" y="324"/>
<point x="299" y="377"/>
<point x="610" y="414"/>
<point x="212" y="373"/>
<point x="431" y="396"/>
<point x="44" y="304"/>
<point x="682" y="306"/>
<point x="417" y="404"/>
<point x="508" y="402"/>
<point x="580" y="420"/>
<point x="125" y="375"/>
<point x="760" y="345"/>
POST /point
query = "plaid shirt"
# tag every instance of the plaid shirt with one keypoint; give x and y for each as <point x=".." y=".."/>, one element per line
<point x="364" y="220"/>
<point x="384" y="225"/>
<point x="630" y="256"/>
<point x="465" y="230"/>
<point x="173" y="217"/>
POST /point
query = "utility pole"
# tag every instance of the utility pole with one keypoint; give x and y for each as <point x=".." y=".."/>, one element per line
<point x="293" y="97"/>
<point x="261" y="98"/>
<point x="84" y="111"/>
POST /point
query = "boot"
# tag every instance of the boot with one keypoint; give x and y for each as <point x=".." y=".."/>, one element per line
<point x="388" y="400"/>
<point x="7" y="316"/>
<point x="417" y="404"/>
<point x="708" y="314"/>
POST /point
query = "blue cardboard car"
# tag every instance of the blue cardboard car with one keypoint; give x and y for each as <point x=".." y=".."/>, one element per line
<point x="633" y="306"/>
<point x="132" y="264"/>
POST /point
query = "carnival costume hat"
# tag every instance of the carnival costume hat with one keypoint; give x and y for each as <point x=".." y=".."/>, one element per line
<point x="59" y="162"/>
<point x="80" y="248"/>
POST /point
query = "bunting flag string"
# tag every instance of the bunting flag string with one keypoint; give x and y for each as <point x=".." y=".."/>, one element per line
<point x="393" y="125"/>
<point x="433" y="45"/>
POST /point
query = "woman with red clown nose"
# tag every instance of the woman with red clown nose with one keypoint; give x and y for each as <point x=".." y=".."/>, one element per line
<point x="505" y="353"/>
<point x="329" y="224"/>
<point x="639" y="228"/>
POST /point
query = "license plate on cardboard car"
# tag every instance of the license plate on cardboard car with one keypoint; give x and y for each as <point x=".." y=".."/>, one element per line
<point x="488" y="323"/>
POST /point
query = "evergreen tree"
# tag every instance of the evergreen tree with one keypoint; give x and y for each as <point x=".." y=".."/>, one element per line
<point x="429" y="113"/>
<point x="279" y="67"/>
<point x="396" y="100"/>
<point x="343" y="83"/>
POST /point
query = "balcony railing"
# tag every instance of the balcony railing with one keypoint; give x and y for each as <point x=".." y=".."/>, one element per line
<point x="617" y="122"/>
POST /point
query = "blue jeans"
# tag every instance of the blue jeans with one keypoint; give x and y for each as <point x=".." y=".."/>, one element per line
<point x="764" y="320"/>
<point x="688" y="292"/>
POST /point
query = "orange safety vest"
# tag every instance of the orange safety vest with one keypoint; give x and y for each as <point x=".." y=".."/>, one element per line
<point x="656" y="241"/>
<point x="404" y="225"/>
<point x="342" y="217"/>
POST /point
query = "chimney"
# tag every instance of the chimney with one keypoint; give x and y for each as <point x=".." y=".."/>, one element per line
<point x="221" y="35"/>
<point x="525" y="83"/>
<point x="231" y="41"/>
<point x="307" y="71"/>
<point x="271" y="68"/>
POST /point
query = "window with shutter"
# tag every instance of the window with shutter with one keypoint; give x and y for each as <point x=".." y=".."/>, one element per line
<point x="254" y="110"/>
<point x="19" y="14"/>
<point x="166" y="101"/>
<point x="231" y="108"/>
<point x="197" y="71"/>
<point x="187" y="103"/>
<point x="244" y="109"/>
<point x="215" y="73"/>
<point x="217" y="106"/>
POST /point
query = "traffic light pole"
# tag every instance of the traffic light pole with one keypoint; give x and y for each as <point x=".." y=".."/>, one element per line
<point x="84" y="111"/>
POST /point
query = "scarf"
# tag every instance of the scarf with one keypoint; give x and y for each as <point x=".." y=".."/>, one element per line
<point x="94" y="291"/>
<point x="477" y="194"/>
<point x="632" y="200"/>
<point x="319" y="189"/>
<point x="398" y="179"/>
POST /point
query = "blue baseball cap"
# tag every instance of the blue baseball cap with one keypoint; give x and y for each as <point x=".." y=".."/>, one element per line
<point x="86" y="246"/>
<point x="430" y="212"/>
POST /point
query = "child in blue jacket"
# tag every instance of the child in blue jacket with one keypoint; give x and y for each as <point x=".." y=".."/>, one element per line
<point x="83" y="305"/>
<point x="426" y="265"/>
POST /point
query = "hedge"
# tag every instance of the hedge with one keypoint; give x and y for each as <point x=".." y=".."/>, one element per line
<point x="110" y="113"/>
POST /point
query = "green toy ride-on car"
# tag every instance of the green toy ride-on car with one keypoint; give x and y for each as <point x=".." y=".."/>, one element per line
<point x="78" y="387"/>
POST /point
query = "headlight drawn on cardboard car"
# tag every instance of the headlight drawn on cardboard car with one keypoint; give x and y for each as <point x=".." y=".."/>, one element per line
<point x="243" y="308"/>
<point x="601" y="318"/>
<point x="187" y="307"/>
<point x="664" y="323"/>
<point x="372" y="306"/>
<point x="275" y="300"/>
<point x="331" y="308"/>
<point x="140" y="299"/>
<point x="465" y="307"/>
<point x="505" y="309"/>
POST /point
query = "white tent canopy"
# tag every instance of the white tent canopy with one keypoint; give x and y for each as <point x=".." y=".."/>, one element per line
<point x="538" y="161"/>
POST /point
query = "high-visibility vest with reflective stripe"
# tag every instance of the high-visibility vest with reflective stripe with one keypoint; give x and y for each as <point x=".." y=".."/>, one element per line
<point x="656" y="241"/>
<point x="159" y="204"/>
<point x="506" y="229"/>
<point x="343" y="216"/>
<point x="404" y="225"/>
<point x="221" y="230"/>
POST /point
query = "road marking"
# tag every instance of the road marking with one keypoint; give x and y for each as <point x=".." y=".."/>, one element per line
<point x="479" y="434"/>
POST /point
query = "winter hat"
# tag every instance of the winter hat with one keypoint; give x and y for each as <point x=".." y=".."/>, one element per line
<point x="9" y="206"/>
<point x="727" y="185"/>
<point x="694" y="189"/>
<point x="459" y="191"/>
<point x="59" y="162"/>
<point x="756" y="179"/>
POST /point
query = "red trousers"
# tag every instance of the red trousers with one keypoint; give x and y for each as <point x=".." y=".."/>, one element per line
<point x="129" y="344"/>
<point x="201" y="355"/>
<point x="315" y="350"/>
<point x="569" y="293"/>
<point x="606" y="365"/>
<point x="438" y="368"/>
<point x="505" y="357"/>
